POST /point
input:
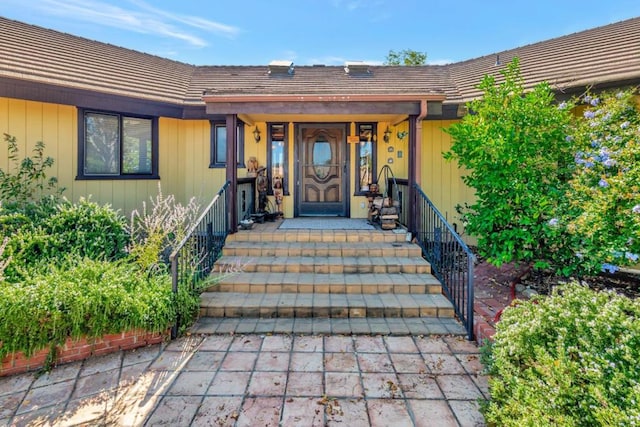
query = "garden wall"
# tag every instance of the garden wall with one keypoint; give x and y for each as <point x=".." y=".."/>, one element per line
<point x="81" y="349"/>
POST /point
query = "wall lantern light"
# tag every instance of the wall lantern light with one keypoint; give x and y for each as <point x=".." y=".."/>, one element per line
<point x="256" y="134"/>
<point x="387" y="134"/>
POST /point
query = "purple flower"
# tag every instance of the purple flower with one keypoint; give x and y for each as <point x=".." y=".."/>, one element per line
<point x="636" y="209"/>
<point x="603" y="183"/>
<point x="609" y="268"/>
<point x="631" y="257"/>
<point x="568" y="138"/>
<point x="589" y="114"/>
<point x="624" y="125"/>
<point x="609" y="162"/>
<point x="553" y="222"/>
<point x="562" y="105"/>
<point x="586" y="99"/>
<point x="594" y="101"/>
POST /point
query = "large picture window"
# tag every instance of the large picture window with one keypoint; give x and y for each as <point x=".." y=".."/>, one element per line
<point x="219" y="144"/>
<point x="366" y="156"/>
<point x="117" y="146"/>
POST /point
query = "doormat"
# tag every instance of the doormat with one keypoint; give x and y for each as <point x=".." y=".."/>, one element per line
<point x="328" y="223"/>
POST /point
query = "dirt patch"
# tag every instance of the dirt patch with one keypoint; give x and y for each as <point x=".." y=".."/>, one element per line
<point x="487" y="275"/>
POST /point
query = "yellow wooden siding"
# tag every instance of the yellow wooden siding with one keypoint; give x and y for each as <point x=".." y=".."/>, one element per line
<point x="183" y="155"/>
<point x="441" y="180"/>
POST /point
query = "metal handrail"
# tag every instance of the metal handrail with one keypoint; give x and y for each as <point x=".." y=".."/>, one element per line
<point x="193" y="258"/>
<point x="451" y="259"/>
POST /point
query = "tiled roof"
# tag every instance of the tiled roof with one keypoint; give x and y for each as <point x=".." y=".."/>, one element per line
<point x="605" y="54"/>
<point x="46" y="56"/>
<point x="610" y="53"/>
<point x="321" y="80"/>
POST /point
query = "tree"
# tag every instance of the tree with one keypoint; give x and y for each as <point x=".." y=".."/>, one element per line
<point x="519" y="162"/>
<point x="406" y="57"/>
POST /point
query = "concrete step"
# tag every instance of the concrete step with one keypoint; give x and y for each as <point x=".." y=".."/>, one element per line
<point x="326" y="265"/>
<point x="270" y="305"/>
<point x="374" y="236"/>
<point x="368" y="283"/>
<point x="325" y="326"/>
<point x="334" y="249"/>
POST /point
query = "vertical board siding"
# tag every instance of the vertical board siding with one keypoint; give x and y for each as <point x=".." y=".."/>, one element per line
<point x="441" y="180"/>
<point x="183" y="156"/>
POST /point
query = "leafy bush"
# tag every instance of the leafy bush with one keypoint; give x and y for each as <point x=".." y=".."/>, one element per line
<point x="570" y="359"/>
<point x="88" y="230"/>
<point x="42" y="234"/>
<point x="518" y="161"/>
<point x="81" y="297"/>
<point x="27" y="181"/>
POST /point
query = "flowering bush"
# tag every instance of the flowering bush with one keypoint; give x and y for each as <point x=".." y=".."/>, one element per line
<point x="568" y="359"/>
<point x="603" y="202"/>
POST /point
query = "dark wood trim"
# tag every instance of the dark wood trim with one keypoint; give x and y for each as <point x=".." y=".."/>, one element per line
<point x="413" y="160"/>
<point x="31" y="91"/>
<point x="337" y="108"/>
<point x="232" y="172"/>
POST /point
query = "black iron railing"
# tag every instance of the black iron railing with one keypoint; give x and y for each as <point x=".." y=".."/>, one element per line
<point x="193" y="258"/>
<point x="403" y="195"/>
<point x="451" y="259"/>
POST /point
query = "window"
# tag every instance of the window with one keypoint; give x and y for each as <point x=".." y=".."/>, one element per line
<point x="277" y="158"/>
<point x="117" y="146"/>
<point x="219" y="144"/>
<point x="366" y="155"/>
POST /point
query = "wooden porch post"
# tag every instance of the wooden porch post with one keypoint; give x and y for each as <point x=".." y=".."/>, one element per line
<point x="232" y="172"/>
<point x="414" y="167"/>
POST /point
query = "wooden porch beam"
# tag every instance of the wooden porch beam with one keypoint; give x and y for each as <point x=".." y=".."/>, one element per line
<point x="231" y="172"/>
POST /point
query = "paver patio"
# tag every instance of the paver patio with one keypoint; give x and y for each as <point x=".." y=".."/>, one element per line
<point x="254" y="379"/>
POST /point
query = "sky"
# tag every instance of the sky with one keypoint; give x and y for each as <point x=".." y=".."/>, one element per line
<point x="307" y="32"/>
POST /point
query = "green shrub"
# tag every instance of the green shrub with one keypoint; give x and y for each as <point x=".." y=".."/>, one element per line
<point x="26" y="179"/>
<point x="569" y="359"/>
<point x="88" y="230"/>
<point x="82" y="297"/>
<point x="43" y="233"/>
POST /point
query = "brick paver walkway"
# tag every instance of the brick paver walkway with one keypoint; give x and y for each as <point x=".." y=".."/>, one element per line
<point x="260" y="379"/>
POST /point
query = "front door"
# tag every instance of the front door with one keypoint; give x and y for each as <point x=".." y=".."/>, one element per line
<point x="322" y="166"/>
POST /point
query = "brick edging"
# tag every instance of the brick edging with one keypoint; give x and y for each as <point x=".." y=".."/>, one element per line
<point x="74" y="350"/>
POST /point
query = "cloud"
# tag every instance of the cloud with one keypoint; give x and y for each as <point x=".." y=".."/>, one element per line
<point x="144" y="19"/>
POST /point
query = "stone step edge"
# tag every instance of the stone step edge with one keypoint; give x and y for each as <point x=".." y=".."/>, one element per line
<point x="281" y="249"/>
<point x="411" y="326"/>
<point x="372" y="236"/>
<point x="376" y="283"/>
<point x="322" y="260"/>
<point x="234" y="304"/>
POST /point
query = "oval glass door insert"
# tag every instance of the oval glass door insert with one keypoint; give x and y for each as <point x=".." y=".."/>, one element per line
<point x="321" y="159"/>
